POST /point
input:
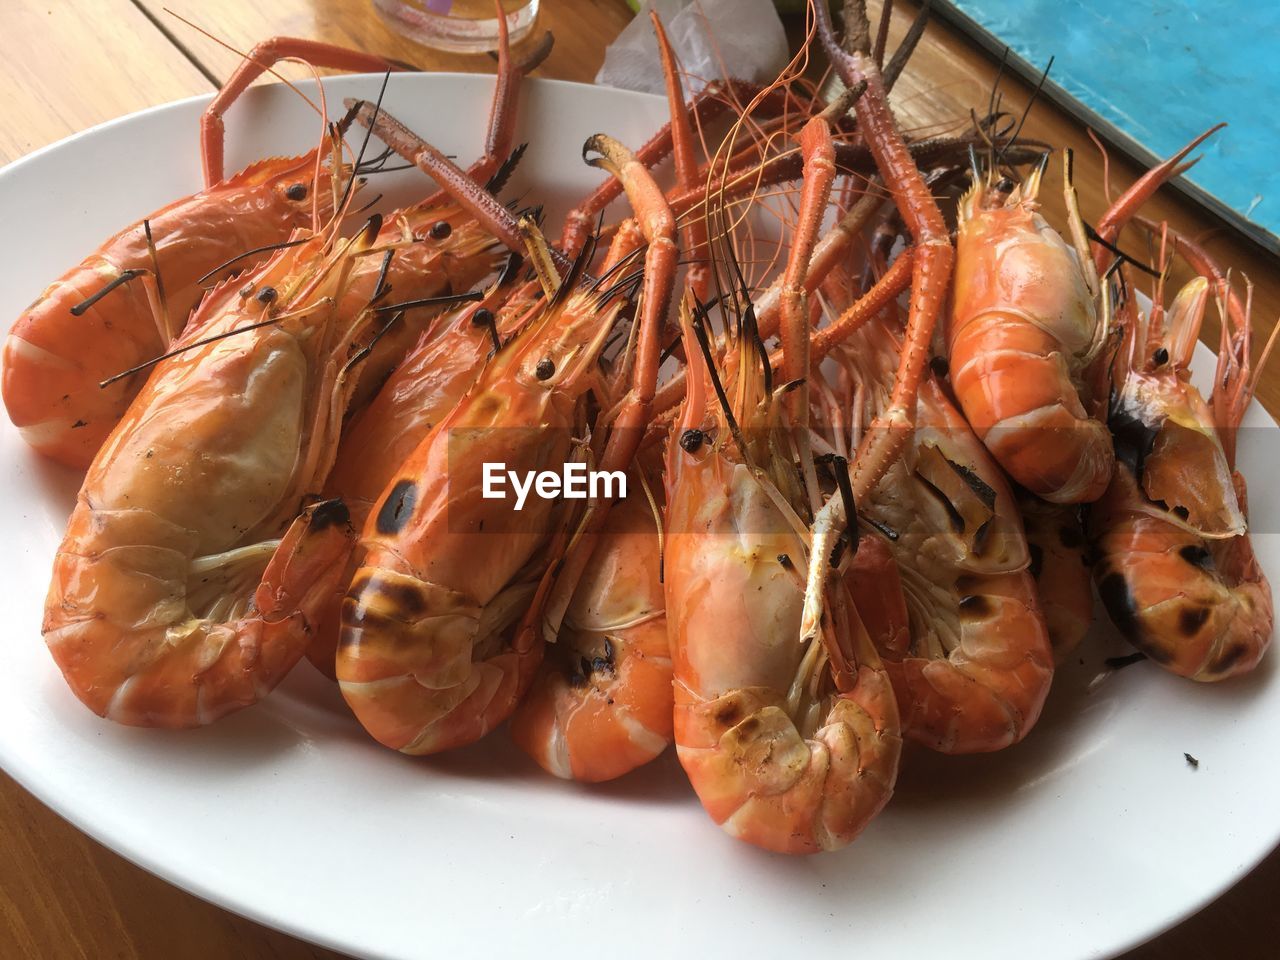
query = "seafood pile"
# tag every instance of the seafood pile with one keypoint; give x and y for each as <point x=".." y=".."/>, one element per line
<point x="880" y="425"/>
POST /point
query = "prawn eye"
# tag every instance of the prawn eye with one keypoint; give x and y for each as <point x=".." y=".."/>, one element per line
<point x="545" y="369"/>
<point x="482" y="317"/>
<point x="440" y="230"/>
<point x="1161" y="357"/>
<point x="267" y="295"/>
<point x="691" y="440"/>
<point x="297" y="192"/>
<point x="1004" y="185"/>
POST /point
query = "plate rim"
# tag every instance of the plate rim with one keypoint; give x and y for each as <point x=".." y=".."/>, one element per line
<point x="30" y="780"/>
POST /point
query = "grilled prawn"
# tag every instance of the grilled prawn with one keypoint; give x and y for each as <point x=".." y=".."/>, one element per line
<point x="790" y="747"/>
<point x="1025" y="328"/>
<point x="193" y="567"/>
<point x="1175" y="568"/>
<point x="974" y="670"/>
<point x="427" y="658"/>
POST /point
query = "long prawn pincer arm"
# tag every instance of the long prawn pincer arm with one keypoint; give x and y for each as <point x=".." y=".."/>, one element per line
<point x="930" y="273"/>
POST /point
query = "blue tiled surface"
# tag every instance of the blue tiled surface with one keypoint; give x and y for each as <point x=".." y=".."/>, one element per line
<point x="1162" y="72"/>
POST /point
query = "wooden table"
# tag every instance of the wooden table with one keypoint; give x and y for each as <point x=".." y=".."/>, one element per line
<point x="64" y="69"/>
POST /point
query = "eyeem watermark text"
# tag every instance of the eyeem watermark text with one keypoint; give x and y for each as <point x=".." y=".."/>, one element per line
<point x="573" y="482"/>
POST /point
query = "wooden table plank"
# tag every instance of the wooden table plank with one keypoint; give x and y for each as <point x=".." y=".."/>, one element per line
<point x="65" y="67"/>
<point x="63" y="895"/>
<point x="582" y="29"/>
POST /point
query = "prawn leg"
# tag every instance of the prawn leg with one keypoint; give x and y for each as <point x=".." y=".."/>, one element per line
<point x="1127" y="205"/>
<point x="682" y="139"/>
<point x="931" y="267"/>
<point x="260" y="60"/>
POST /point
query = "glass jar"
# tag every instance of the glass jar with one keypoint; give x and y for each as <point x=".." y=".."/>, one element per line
<point x="463" y="26"/>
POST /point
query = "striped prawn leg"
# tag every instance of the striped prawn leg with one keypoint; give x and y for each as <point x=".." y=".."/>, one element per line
<point x="931" y="265"/>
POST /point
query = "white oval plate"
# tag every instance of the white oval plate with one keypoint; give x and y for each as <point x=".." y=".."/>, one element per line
<point x="1090" y="837"/>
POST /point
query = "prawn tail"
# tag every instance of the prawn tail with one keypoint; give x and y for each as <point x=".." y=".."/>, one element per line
<point x="863" y="737"/>
<point x="1059" y="564"/>
<point x="1200" y="609"/>
<point x="989" y="692"/>
<point x="131" y="649"/>
<point x="595" y="724"/>
<point x="405" y="663"/>
<point x="764" y="783"/>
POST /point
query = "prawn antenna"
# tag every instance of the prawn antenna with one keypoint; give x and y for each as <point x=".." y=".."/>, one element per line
<point x="900" y="56"/>
<point x="267" y="68"/>
<point x="1093" y="235"/>
<point x="169" y="332"/>
<point x="704" y="344"/>
<point x="993" y="100"/>
<point x="125" y="276"/>
<point x="470" y="297"/>
<point x="629" y="280"/>
<point x="577" y="271"/>
<point x="381" y="289"/>
<point x="378" y="162"/>
<point x="498" y="181"/>
<point x="102" y="385"/>
<point x="882" y="34"/>
<point x="485" y="318"/>
<point x="373" y="341"/>
<point x="1027" y="112"/>
<point x="364" y="145"/>
<point x="367" y="206"/>
<point x="265" y="248"/>
<point x="623" y="262"/>
<point x="850" y="534"/>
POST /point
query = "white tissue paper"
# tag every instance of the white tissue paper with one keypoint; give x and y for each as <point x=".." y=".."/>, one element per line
<point x="743" y="39"/>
